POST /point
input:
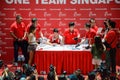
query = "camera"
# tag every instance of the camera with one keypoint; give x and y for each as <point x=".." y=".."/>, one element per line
<point x="33" y="67"/>
<point x="18" y="74"/>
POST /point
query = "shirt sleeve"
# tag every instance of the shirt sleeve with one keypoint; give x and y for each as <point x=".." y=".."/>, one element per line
<point x="50" y="38"/>
<point x="39" y="27"/>
<point x="12" y="28"/>
<point x="93" y="34"/>
<point x="109" y="37"/>
<point x="25" y="27"/>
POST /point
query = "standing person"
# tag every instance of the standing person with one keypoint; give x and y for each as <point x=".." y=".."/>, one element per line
<point x="32" y="43"/>
<point x="55" y="38"/>
<point x="97" y="49"/>
<point x="111" y="42"/>
<point x="52" y="75"/>
<point x="106" y="24"/>
<point x="18" y="32"/>
<point x="71" y="35"/>
<point x="89" y="36"/>
<point x="93" y="24"/>
<point x="38" y="33"/>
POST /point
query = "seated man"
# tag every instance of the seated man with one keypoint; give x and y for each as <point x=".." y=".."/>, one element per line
<point x="71" y="35"/>
<point x="55" y="38"/>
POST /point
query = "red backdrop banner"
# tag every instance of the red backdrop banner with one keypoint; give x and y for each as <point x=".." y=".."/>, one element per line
<point x="53" y="13"/>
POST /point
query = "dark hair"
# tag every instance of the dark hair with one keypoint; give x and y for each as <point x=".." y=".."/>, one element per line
<point x="71" y="24"/>
<point x="32" y="28"/>
<point x="55" y="30"/>
<point x="87" y="25"/>
<point x="51" y="76"/>
<point x="112" y="24"/>
<point x="32" y="77"/>
<point x="18" y="17"/>
<point x="34" y="20"/>
<point x="25" y="66"/>
<point x="98" y="43"/>
<point x="91" y="75"/>
<point x="51" y="68"/>
<point x="105" y="23"/>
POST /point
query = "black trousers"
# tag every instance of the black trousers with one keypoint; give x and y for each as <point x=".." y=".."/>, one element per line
<point x="111" y="60"/>
<point x="23" y="45"/>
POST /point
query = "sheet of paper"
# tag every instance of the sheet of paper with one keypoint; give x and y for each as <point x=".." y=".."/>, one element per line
<point x="99" y="30"/>
<point x="60" y="48"/>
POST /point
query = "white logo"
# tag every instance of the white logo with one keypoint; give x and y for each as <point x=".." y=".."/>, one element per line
<point x="47" y="14"/>
<point x="76" y="14"/>
<point x="2" y="24"/>
<point x="47" y="24"/>
<point x="62" y="24"/>
<point x="77" y="24"/>
<point x="15" y="13"/>
<point x="91" y="14"/>
<point x="61" y="14"/>
<point x="107" y="14"/>
<point x="31" y="14"/>
<point x="2" y="14"/>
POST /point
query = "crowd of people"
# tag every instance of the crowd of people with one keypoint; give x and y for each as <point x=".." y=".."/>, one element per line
<point x="27" y="38"/>
<point x="28" y="72"/>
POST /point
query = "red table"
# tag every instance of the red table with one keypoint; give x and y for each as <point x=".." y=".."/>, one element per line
<point x="64" y="60"/>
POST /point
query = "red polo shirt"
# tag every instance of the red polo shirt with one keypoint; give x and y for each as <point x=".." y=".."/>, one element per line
<point x="111" y="38"/>
<point x="18" y="29"/>
<point x="69" y="36"/>
<point x="53" y="40"/>
<point x="95" y="28"/>
<point x="38" y="29"/>
<point x="90" y="35"/>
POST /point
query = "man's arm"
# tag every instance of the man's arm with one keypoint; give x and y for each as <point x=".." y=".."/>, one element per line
<point x="25" y="35"/>
<point x="41" y="34"/>
<point x="13" y="35"/>
<point x="61" y="40"/>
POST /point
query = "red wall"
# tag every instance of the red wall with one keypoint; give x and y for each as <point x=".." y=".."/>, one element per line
<point x="53" y="14"/>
